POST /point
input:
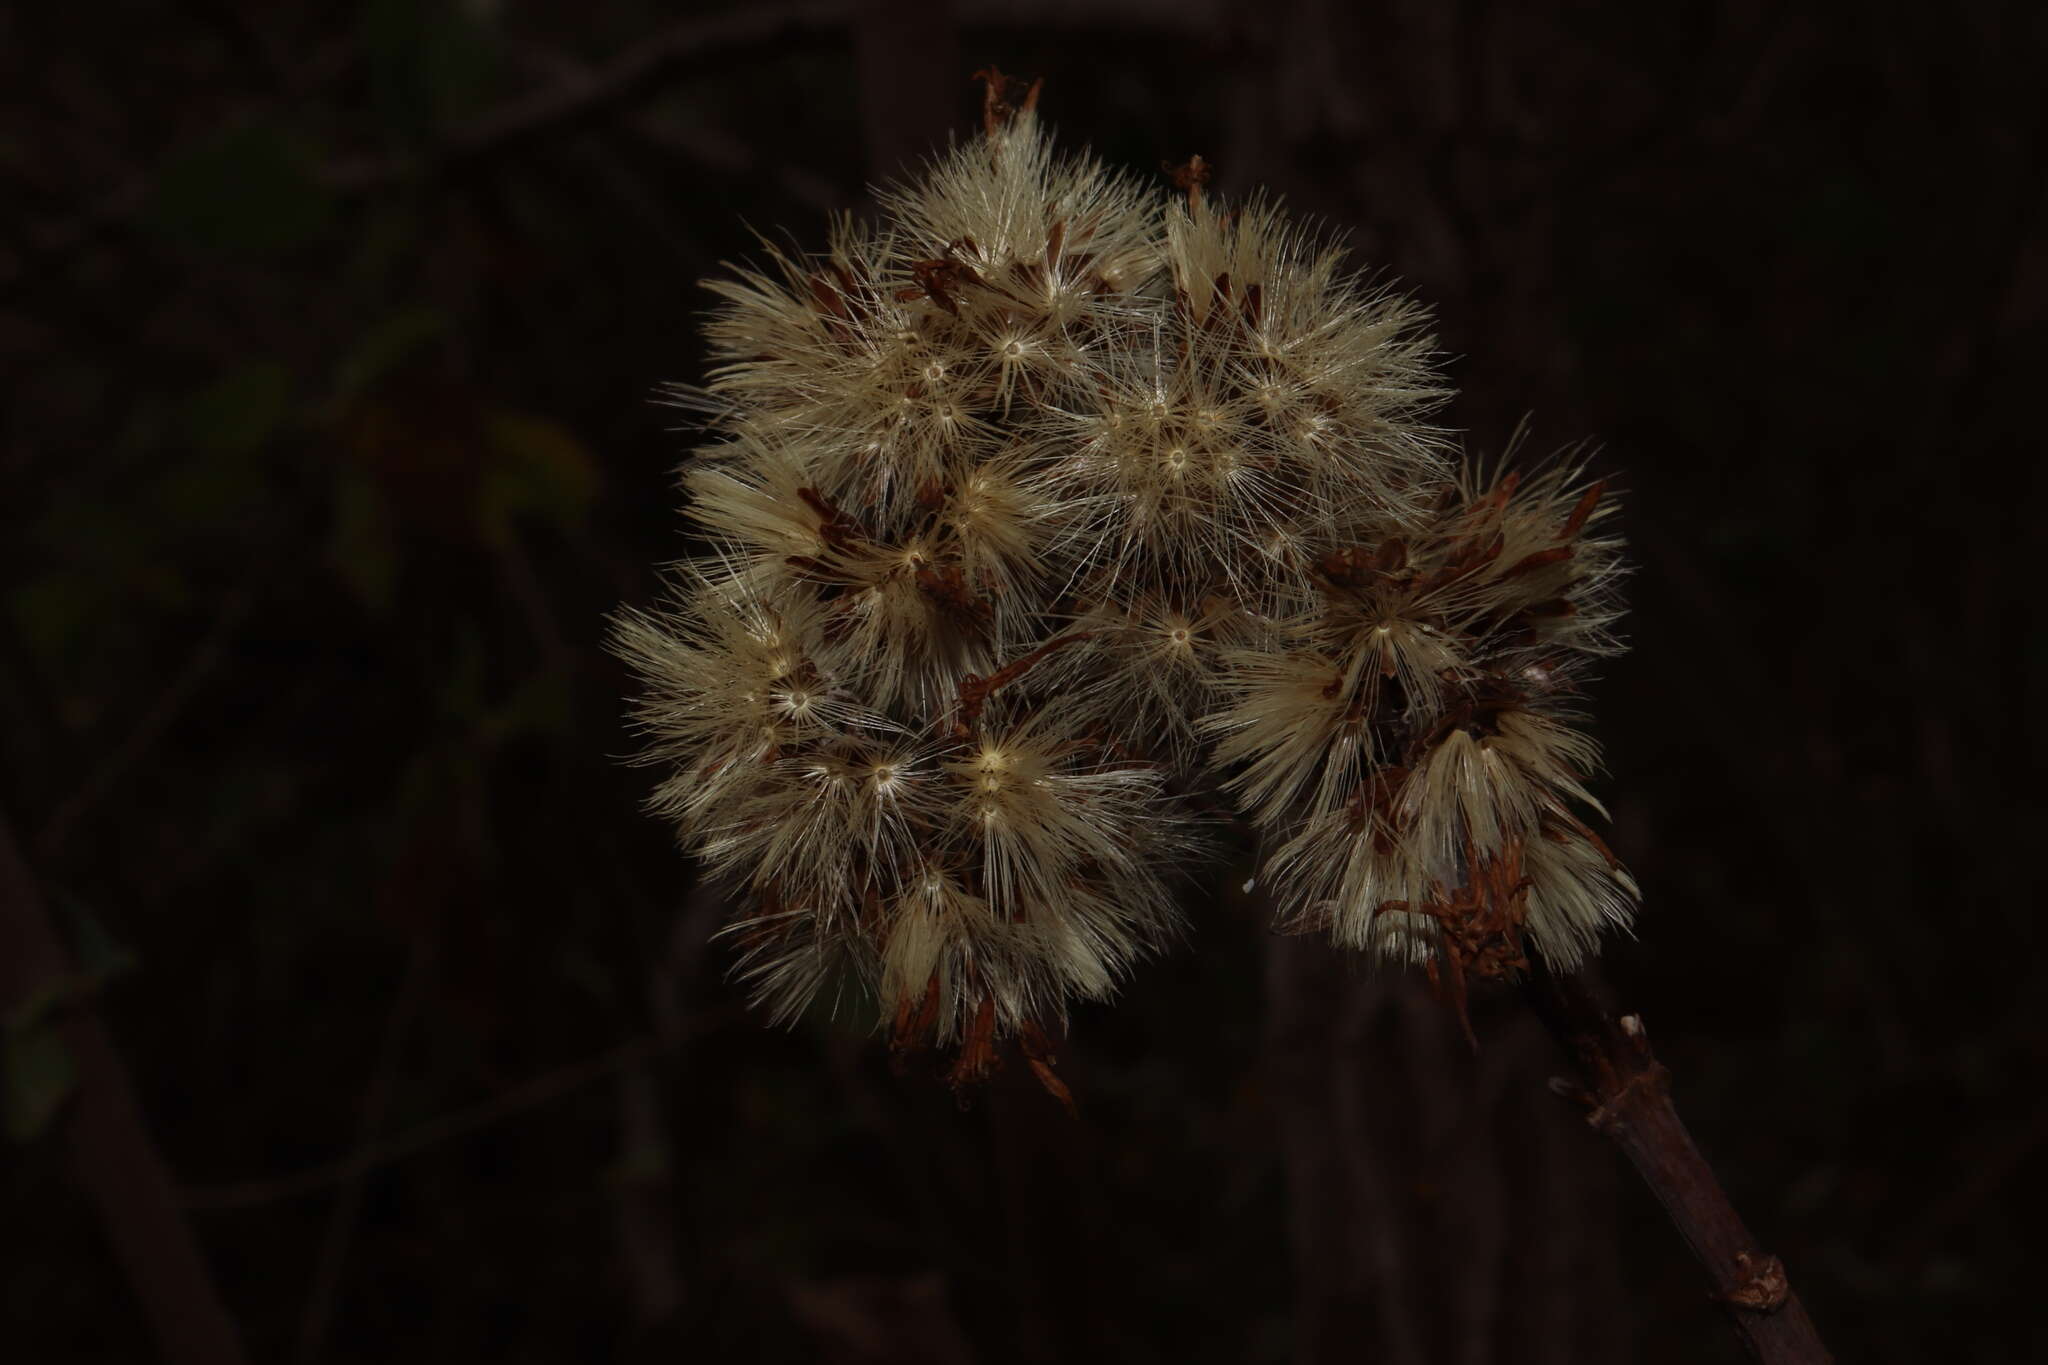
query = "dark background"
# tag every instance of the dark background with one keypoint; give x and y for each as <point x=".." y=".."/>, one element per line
<point x="329" y="333"/>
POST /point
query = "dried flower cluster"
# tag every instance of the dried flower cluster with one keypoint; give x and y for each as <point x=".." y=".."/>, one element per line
<point x="1052" y="501"/>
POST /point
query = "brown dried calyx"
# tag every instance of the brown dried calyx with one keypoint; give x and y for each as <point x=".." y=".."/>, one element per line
<point x="981" y="1052"/>
<point x="1479" y="928"/>
<point x="1000" y="102"/>
<point x="975" y="690"/>
<point x="1190" y="177"/>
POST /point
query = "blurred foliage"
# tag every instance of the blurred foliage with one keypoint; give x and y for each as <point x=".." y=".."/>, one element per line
<point x="36" y="1072"/>
<point x="429" y="63"/>
<point x="329" y="449"/>
<point x="247" y="190"/>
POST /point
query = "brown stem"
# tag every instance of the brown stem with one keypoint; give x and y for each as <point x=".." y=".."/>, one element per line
<point x="1628" y="1094"/>
<point x="111" y="1150"/>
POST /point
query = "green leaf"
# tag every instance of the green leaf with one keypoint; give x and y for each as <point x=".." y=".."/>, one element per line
<point x="248" y="188"/>
<point x="644" y="1163"/>
<point x="540" y="470"/>
<point x="39" y="1076"/>
<point x="57" y="614"/>
<point x="103" y="959"/>
<point x="384" y="241"/>
<point x="220" y="481"/>
<point x="101" y="956"/>
<point x="362" y="547"/>
<point x="539" y="705"/>
<point x="462" y="679"/>
<point x="385" y="348"/>
<point x="239" y="412"/>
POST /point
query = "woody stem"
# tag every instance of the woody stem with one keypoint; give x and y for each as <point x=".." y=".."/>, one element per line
<point x="113" y="1157"/>
<point x="1628" y="1093"/>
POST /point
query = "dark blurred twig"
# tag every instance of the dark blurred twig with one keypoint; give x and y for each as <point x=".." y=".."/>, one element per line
<point x="1990" y="1171"/>
<point x="1371" y="1173"/>
<point x="569" y="99"/>
<point x="531" y="1094"/>
<point x="204" y="661"/>
<point x="718" y="150"/>
<point x="376" y="1104"/>
<point x="649" y="1199"/>
<point x="705" y="145"/>
<point x="111" y="1149"/>
<point x="1628" y="1093"/>
<point x="578" y="93"/>
<point x="249" y="38"/>
<point x="626" y="77"/>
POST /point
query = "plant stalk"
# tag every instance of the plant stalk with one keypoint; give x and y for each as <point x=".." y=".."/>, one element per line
<point x="1628" y="1097"/>
<point x="111" y="1151"/>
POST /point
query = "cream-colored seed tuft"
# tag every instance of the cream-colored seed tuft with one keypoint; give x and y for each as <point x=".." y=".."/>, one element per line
<point x="1051" y="500"/>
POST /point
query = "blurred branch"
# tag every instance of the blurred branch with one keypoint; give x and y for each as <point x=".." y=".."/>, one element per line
<point x="1629" y="1097"/>
<point x="111" y="1150"/>
<point x="904" y="57"/>
<point x="713" y="148"/>
<point x="248" y="38"/>
<point x="341" y="1219"/>
<point x="1990" y="1171"/>
<point x="647" y="1193"/>
<point x="575" y="97"/>
<point x="717" y="150"/>
<point x="1377" y="1223"/>
<point x="645" y="1200"/>
<point x="572" y="97"/>
<point x="531" y="1094"/>
<point x="170" y="703"/>
<point x="538" y="1091"/>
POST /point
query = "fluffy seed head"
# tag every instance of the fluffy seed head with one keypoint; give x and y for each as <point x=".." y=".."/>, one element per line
<point x="1051" y="498"/>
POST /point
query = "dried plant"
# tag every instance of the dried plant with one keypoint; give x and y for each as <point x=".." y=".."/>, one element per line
<point x="1051" y="505"/>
